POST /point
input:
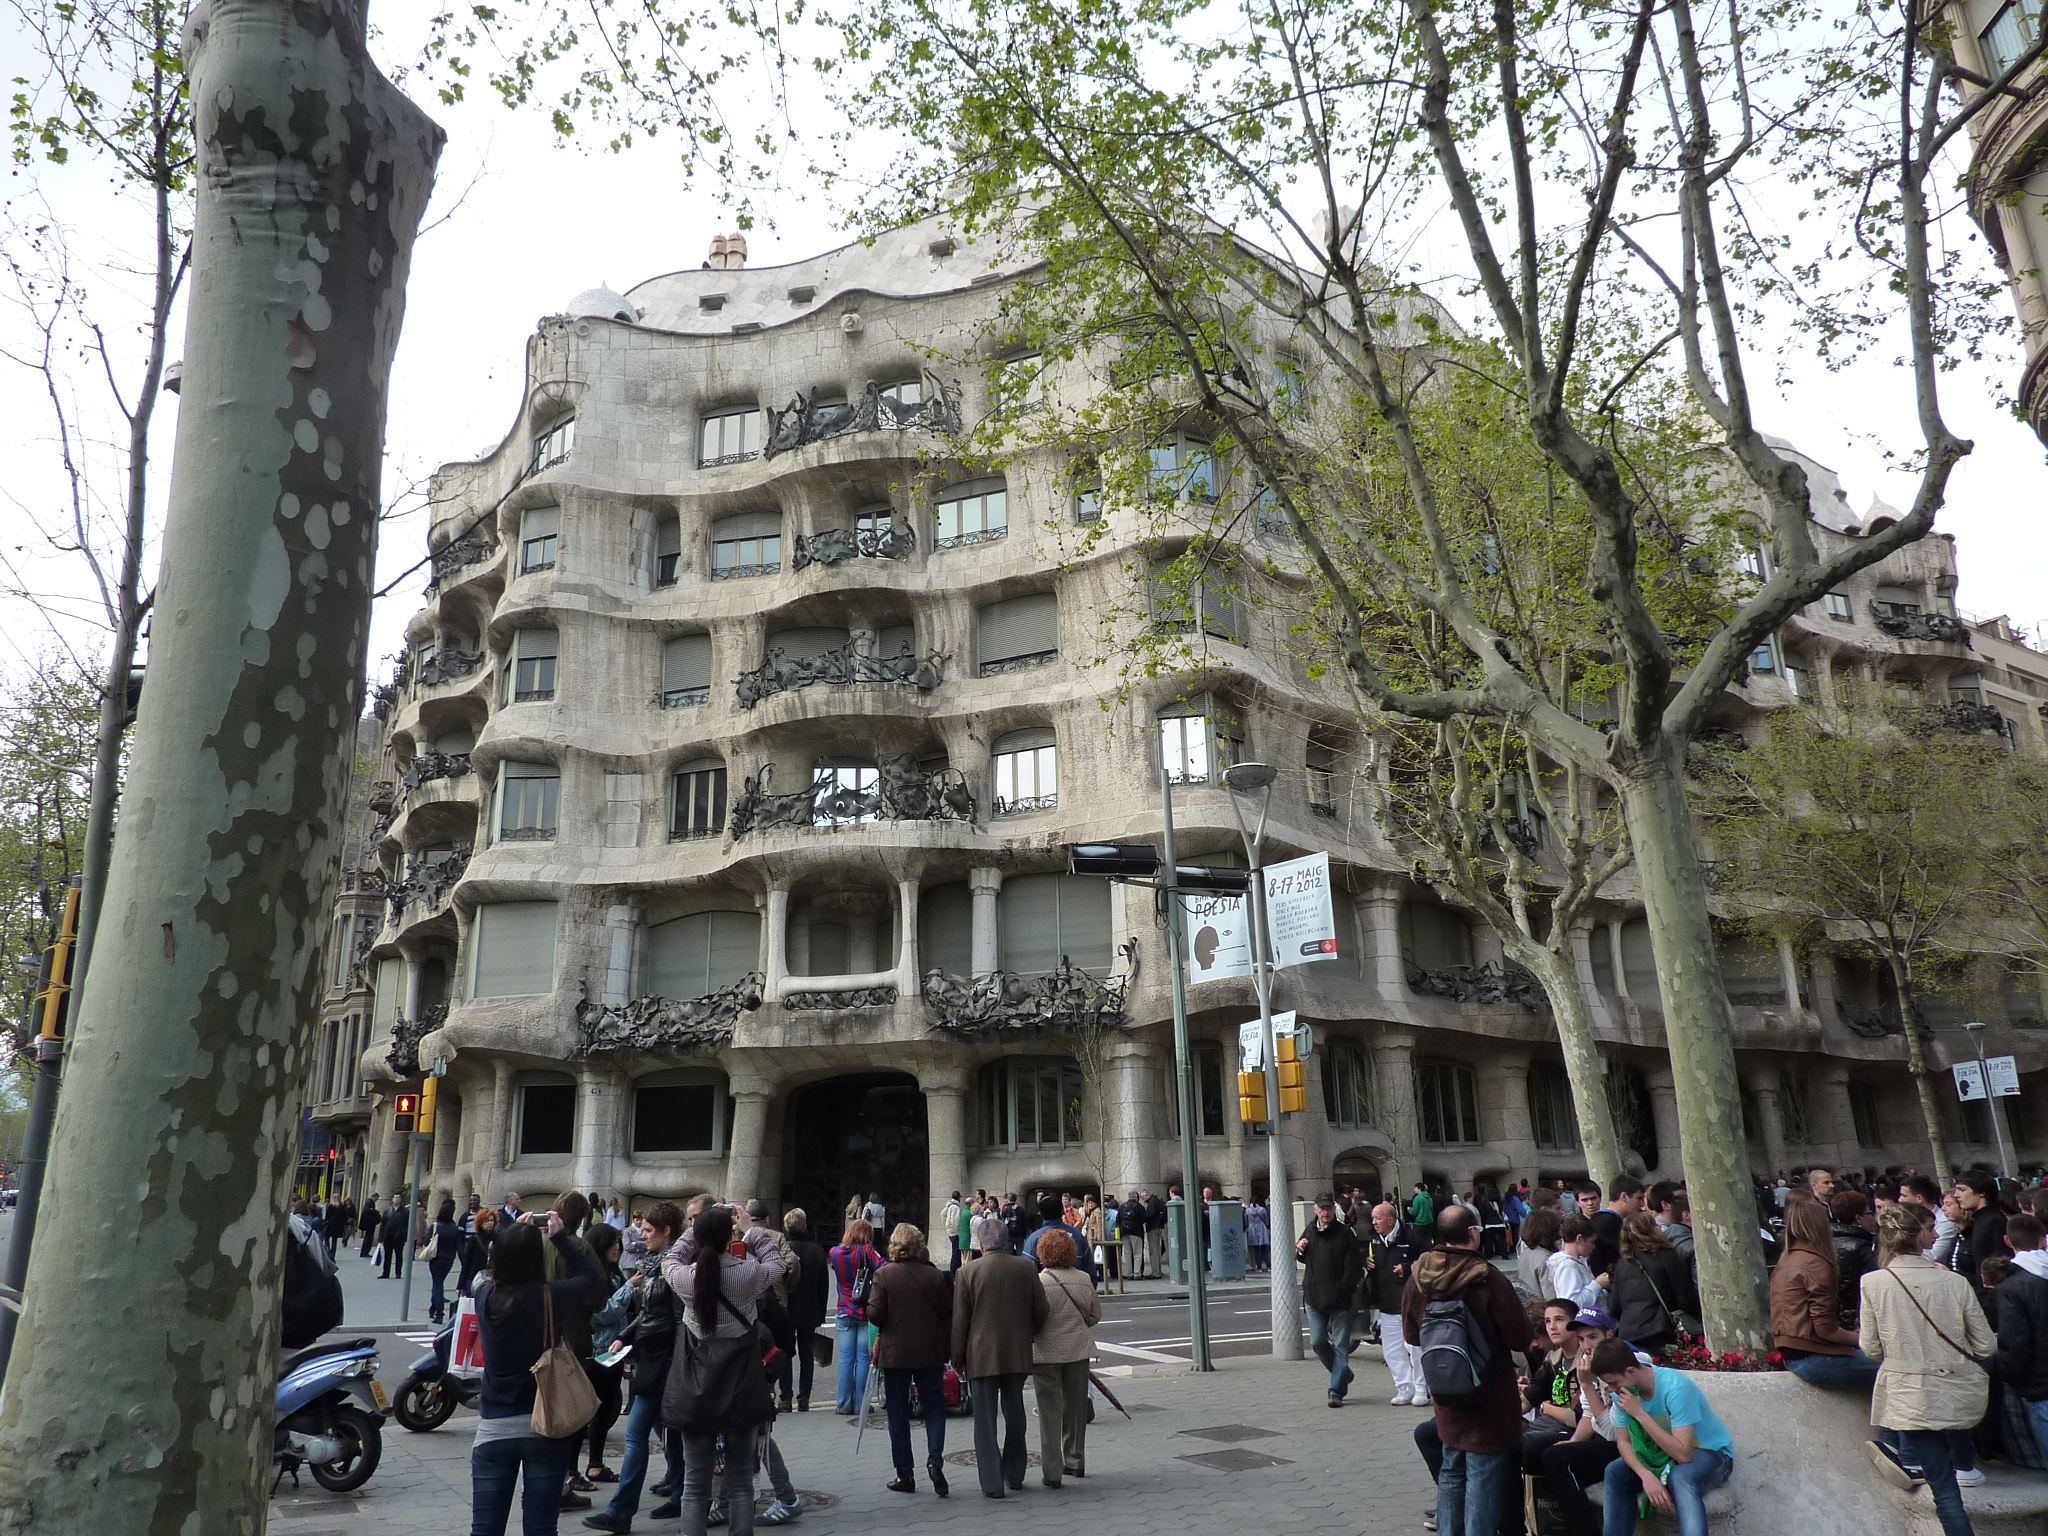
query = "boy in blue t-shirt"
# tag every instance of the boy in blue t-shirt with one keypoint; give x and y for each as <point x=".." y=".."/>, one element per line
<point x="1689" y="1452"/>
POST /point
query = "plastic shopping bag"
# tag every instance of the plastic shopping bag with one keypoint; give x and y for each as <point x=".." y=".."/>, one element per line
<point x="466" y="1352"/>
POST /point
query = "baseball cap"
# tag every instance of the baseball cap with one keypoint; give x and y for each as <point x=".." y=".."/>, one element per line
<point x="1592" y="1317"/>
<point x="758" y="1209"/>
<point x="1326" y="1201"/>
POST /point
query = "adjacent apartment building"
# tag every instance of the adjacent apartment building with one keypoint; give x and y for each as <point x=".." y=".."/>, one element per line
<point x="722" y="793"/>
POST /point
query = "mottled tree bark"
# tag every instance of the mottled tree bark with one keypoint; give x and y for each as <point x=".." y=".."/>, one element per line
<point x="139" y="1398"/>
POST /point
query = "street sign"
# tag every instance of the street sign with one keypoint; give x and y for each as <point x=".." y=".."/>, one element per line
<point x="1969" y="1081"/>
<point x="1299" y="916"/>
<point x="1251" y="1040"/>
<point x="1219" y="938"/>
<point x="2004" y="1073"/>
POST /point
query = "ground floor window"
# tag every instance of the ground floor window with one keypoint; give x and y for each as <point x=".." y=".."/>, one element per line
<point x="1031" y="1102"/>
<point x="678" y="1114"/>
<point x="547" y="1119"/>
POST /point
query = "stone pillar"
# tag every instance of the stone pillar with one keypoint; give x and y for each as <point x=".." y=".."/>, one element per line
<point x="601" y="1096"/>
<point x="775" y="920"/>
<point x="493" y="1154"/>
<point x="1383" y="968"/>
<point x="1393" y="1058"/>
<point x="1834" y="1122"/>
<point x="392" y="1167"/>
<point x="447" y="1143"/>
<point x="1823" y="975"/>
<point x="622" y="953"/>
<point x="1137" y="1071"/>
<point x="1664" y="1116"/>
<point x="747" y="1138"/>
<point x="1620" y="970"/>
<point x="1788" y="971"/>
<point x="987" y="952"/>
<point x="945" y="1119"/>
<point x="1763" y="1083"/>
<point x="1507" y="1085"/>
<point x="908" y="978"/>
<point x="1582" y="963"/>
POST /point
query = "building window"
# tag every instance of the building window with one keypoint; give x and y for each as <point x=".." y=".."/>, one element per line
<point x="1447" y="1097"/>
<point x="1322" y="779"/>
<point x="1271" y="516"/>
<point x="1290" y="389"/>
<point x="668" y="551"/>
<point x="900" y="404"/>
<point x="1088" y="505"/>
<point x="1207" y="601"/>
<point x="1043" y="920"/>
<point x="513" y="948"/>
<point x="1897" y="602"/>
<point x="703" y="953"/>
<point x="698" y="809"/>
<point x="1551" y="1111"/>
<point x="1434" y="937"/>
<point x="540" y="530"/>
<point x="2013" y="30"/>
<point x="1840" y="609"/>
<point x="547" y="1120"/>
<point x="344" y="933"/>
<point x="685" y="671"/>
<point x="1753" y="561"/>
<point x="747" y="545"/>
<point x="972" y="512"/>
<point x="1348" y="1098"/>
<point x="528" y="797"/>
<point x="1198" y="740"/>
<point x="1019" y="383"/>
<point x="1031" y="1102"/>
<point x="1025" y="772"/>
<point x="1208" y="1065"/>
<point x="677" y="1117"/>
<point x="848" y="792"/>
<point x="1764" y="659"/>
<point x="553" y="446"/>
<point x="1018" y="633"/>
<point x="1183" y="468"/>
<point x="534" y="652"/>
<point x="731" y="437"/>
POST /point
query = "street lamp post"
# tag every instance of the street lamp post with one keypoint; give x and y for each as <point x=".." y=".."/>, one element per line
<point x="1976" y="1029"/>
<point x="1184" y="1083"/>
<point x="1257" y="778"/>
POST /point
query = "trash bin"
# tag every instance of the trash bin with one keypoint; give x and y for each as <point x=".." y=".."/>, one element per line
<point x="1176" y="1241"/>
<point x="1226" y="1239"/>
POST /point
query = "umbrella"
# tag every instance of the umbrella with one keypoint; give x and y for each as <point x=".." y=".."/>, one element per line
<point x="1099" y="1385"/>
<point x="867" y="1405"/>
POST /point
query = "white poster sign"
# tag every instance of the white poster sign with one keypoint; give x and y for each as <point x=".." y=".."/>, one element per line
<point x="1299" y="916"/>
<point x="2004" y="1073"/>
<point x="1219" y="930"/>
<point x="1251" y="1040"/>
<point x="1969" y="1081"/>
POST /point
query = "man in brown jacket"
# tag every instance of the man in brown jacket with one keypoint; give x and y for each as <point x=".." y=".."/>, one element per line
<point x="1481" y="1431"/>
<point x="998" y="1307"/>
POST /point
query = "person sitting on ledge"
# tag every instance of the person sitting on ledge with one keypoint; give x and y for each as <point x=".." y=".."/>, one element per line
<point x="1674" y="1449"/>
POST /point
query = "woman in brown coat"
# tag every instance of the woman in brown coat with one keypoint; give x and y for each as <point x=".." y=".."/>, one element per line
<point x="911" y="1309"/>
<point x="1059" y="1359"/>
<point x="1806" y="1325"/>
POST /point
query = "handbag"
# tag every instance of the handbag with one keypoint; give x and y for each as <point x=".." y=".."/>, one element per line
<point x="466" y="1350"/>
<point x="1683" y="1322"/>
<point x="863" y="1282"/>
<point x="717" y="1383"/>
<point x="430" y="1250"/>
<point x="563" y="1398"/>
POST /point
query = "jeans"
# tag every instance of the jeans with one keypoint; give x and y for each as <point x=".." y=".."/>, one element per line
<point x="1470" y="1488"/>
<point x="437" y="1307"/>
<point x="1836" y="1373"/>
<point x="642" y="1423"/>
<point x="1933" y="1451"/>
<point x="853" y="1364"/>
<point x="2037" y="1418"/>
<point x="700" y="1453"/>
<point x="1329" y="1336"/>
<point x="495" y="1468"/>
<point x="1691" y="1482"/>
<point x="930" y="1381"/>
<point x="992" y="1467"/>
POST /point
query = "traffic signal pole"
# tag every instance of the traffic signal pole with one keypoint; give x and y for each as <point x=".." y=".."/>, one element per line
<point x="1184" y="1081"/>
<point x="421" y="1138"/>
<point x="53" y="998"/>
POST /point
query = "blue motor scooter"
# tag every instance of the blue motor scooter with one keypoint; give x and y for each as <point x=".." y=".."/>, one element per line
<point x="430" y="1394"/>
<point x="330" y="1415"/>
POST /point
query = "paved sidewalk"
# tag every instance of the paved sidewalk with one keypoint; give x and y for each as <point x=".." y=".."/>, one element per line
<point x="1250" y="1447"/>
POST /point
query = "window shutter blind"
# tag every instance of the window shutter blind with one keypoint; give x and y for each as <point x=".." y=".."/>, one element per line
<point x="390" y="991"/>
<point x="1028" y="924"/>
<point x="896" y="640"/>
<point x="1025" y="740"/>
<point x="1434" y="936"/>
<point x="747" y="525"/>
<point x="1220" y="612"/>
<point x="1639" y="964"/>
<point x="670" y="953"/>
<point x="965" y="488"/>
<point x="830" y="949"/>
<point x="801" y="644"/>
<point x="1020" y="626"/>
<point x="1084" y="921"/>
<point x="512" y="770"/>
<point x="945" y="929"/>
<point x="539" y="522"/>
<point x="668" y="537"/>
<point x="515" y="948"/>
<point x="733" y="947"/>
<point x="686" y="663"/>
<point x="1897" y="595"/>
<point x="535" y="644"/>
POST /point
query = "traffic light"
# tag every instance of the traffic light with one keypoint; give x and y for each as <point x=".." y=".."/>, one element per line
<point x="404" y="1108"/>
<point x="1117" y="861"/>
<point x="425" y="1125"/>
<point x="1293" y="1076"/>
<point x="1251" y="1097"/>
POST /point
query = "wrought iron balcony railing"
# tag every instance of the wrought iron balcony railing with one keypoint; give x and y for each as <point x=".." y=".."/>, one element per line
<point x="835" y="546"/>
<point x="1023" y="805"/>
<point x="445" y="665"/>
<point x="1490" y="983"/>
<point x="668" y="1023"/>
<point x="406" y="1034"/>
<point x="1064" y="998"/>
<point x="902" y="791"/>
<point x="452" y="557"/>
<point x="1869" y="1021"/>
<point x="1024" y="663"/>
<point x="836" y="668"/>
<point x="833" y="1002"/>
<point x="807" y="419"/>
<point x="428" y="881"/>
<point x="431" y="765"/>
<point x="1921" y="626"/>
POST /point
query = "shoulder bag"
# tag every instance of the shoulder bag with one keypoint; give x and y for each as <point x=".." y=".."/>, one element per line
<point x="563" y="1398"/>
<point x="863" y="1280"/>
<point x="1684" y="1323"/>
<point x="716" y="1383"/>
<point x="1968" y="1358"/>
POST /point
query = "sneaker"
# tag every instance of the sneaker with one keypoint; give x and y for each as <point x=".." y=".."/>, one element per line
<point x="574" y="1501"/>
<point x="1973" y="1478"/>
<point x="672" y="1510"/>
<point x="1399" y="1400"/>
<point x="1336" y="1399"/>
<point x="781" y="1512"/>
<point x="1429" y="1520"/>
<point x="605" y="1520"/>
<point x="1418" y="1400"/>
<point x="1889" y="1469"/>
<point x="715" y="1515"/>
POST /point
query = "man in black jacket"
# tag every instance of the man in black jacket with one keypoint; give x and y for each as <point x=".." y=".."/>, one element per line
<point x="2022" y="1358"/>
<point x="393" y="1237"/>
<point x="1330" y="1290"/>
<point x="1155" y="1235"/>
<point x="808" y="1302"/>
<point x="1390" y="1255"/>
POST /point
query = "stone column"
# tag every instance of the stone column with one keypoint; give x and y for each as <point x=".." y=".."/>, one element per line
<point x="1834" y="1122"/>
<point x="1507" y="1079"/>
<point x="1664" y="1117"/>
<point x="1393" y="1058"/>
<point x="601" y="1096"/>
<point x="447" y="1144"/>
<point x="1788" y="972"/>
<point x="1763" y="1083"/>
<point x="945" y="1120"/>
<point x="492" y="1155"/>
<point x="1383" y="968"/>
<point x="622" y="935"/>
<point x="1582" y="963"/>
<point x="1823" y="974"/>
<point x="1137" y="1071"/>
<point x="775" y="920"/>
<point x="392" y="1167"/>
<point x="908" y="979"/>
<point x="1620" y="970"/>
<point x="747" y="1138"/>
<point x="987" y="952"/>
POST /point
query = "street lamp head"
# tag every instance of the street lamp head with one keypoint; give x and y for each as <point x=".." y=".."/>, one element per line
<point x="1243" y="777"/>
<point x="1975" y="1024"/>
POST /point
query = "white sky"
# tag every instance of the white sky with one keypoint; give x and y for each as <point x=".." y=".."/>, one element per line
<point x="538" y="222"/>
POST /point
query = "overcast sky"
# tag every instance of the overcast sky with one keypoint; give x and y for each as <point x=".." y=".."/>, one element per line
<point x="526" y="222"/>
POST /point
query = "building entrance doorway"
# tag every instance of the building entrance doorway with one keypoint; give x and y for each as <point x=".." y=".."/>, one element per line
<point x="1355" y="1170"/>
<point x="865" y="1135"/>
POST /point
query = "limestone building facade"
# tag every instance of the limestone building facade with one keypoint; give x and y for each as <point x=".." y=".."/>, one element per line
<point x="736" y="710"/>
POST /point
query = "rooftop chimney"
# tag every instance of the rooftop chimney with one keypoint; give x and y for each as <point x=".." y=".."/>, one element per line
<point x="728" y="253"/>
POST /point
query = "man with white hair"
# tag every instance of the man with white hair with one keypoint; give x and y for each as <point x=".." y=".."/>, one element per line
<point x="1390" y="1255"/>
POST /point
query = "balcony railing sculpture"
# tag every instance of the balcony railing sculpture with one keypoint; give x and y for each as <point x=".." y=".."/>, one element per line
<point x="836" y="546"/>
<point x="1921" y="626"/>
<point x="849" y="663"/>
<point x="446" y="665"/>
<point x="406" y="1034"/>
<point x="431" y="765"/>
<point x="1491" y="984"/>
<point x="667" y="1023"/>
<point x="1063" y="998"/>
<point x="452" y="557"/>
<point x="1869" y="1021"/>
<point x="809" y="420"/>
<point x="902" y="791"/>
<point x="832" y="1002"/>
<point x="428" y="881"/>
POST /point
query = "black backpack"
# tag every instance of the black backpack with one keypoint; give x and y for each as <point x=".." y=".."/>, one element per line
<point x="1455" y="1352"/>
<point x="312" y="1296"/>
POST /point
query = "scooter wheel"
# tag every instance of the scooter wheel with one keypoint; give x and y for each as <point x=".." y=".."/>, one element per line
<point x="362" y="1447"/>
<point x="424" y="1403"/>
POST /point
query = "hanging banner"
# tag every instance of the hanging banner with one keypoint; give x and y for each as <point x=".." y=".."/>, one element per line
<point x="1969" y="1081"/>
<point x="2004" y="1075"/>
<point x="1299" y="915"/>
<point x="1219" y="930"/>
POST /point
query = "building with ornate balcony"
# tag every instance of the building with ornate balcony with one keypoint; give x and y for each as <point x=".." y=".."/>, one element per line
<point x="742" y="728"/>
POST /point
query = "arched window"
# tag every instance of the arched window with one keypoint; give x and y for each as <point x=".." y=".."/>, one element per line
<point x="698" y="806"/>
<point x="685" y="671"/>
<point x="668" y="551"/>
<point x="531" y="676"/>
<point x="703" y="953"/>
<point x="749" y="544"/>
<point x="540" y="531"/>
<point x="553" y="446"/>
<point x="1199" y="738"/>
<point x="729" y="437"/>
<point x="529" y="799"/>
<point x="1348" y="1085"/>
<point x="847" y="792"/>
<point x="1024" y="772"/>
<point x="1018" y="632"/>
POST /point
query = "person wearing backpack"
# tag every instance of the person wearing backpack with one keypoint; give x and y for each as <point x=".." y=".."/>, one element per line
<point x="854" y="1263"/>
<point x="1468" y="1328"/>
